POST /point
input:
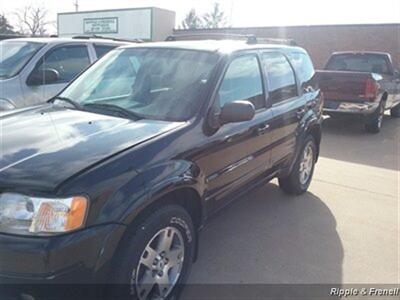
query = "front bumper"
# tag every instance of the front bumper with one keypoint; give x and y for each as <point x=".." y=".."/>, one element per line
<point x="356" y="107"/>
<point x="81" y="257"/>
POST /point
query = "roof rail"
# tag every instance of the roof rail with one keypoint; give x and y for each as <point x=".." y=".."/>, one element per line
<point x="290" y="42"/>
<point x="204" y="36"/>
<point x="88" y="37"/>
<point x="11" y="36"/>
<point x="250" y="38"/>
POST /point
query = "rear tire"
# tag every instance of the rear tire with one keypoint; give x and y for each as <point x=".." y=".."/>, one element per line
<point x="300" y="178"/>
<point x="158" y="251"/>
<point x="395" y="111"/>
<point x="374" y="122"/>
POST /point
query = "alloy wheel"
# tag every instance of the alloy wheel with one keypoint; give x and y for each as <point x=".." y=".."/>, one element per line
<point x="160" y="265"/>
<point x="306" y="164"/>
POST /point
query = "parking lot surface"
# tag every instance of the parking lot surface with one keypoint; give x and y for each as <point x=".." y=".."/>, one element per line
<point x="345" y="230"/>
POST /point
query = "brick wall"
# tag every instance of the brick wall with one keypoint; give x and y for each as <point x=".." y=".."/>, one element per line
<point x="321" y="41"/>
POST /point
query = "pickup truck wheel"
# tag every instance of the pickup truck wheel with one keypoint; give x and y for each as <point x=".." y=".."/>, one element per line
<point x="395" y="111"/>
<point x="299" y="179"/>
<point x="156" y="259"/>
<point x="374" y="122"/>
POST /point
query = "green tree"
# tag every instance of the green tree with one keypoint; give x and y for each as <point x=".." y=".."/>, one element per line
<point x="215" y="19"/>
<point x="5" y="27"/>
<point x="192" y="20"/>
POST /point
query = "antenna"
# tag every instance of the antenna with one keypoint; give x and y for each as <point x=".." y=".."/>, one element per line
<point x="76" y="4"/>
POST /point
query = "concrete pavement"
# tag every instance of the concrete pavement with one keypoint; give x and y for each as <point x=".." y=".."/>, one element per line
<point x="344" y="230"/>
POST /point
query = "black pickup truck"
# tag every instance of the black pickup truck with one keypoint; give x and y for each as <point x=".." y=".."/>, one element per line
<point x="111" y="181"/>
<point x="363" y="83"/>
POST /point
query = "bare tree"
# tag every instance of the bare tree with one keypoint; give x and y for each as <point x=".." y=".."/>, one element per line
<point x="32" y="20"/>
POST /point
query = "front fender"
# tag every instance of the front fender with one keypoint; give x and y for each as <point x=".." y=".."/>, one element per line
<point x="162" y="179"/>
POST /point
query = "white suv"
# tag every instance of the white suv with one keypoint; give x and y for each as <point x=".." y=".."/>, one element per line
<point x="33" y="70"/>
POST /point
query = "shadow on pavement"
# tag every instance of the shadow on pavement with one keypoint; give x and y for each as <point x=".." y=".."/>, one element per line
<point x="344" y="138"/>
<point x="270" y="238"/>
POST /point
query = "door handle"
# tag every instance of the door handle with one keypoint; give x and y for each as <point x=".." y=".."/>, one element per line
<point x="262" y="129"/>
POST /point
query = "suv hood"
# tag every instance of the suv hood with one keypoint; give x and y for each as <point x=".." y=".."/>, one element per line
<point x="43" y="146"/>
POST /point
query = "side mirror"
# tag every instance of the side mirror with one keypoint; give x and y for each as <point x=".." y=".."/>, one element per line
<point x="397" y="73"/>
<point x="45" y="76"/>
<point x="237" y="111"/>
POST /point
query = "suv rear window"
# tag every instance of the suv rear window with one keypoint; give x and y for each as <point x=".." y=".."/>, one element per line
<point x="370" y="63"/>
<point x="303" y="66"/>
<point x="280" y="77"/>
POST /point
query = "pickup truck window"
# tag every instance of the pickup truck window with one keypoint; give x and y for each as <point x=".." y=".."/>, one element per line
<point x="14" y="56"/>
<point x="370" y="63"/>
<point x="69" y="61"/>
<point x="243" y="81"/>
<point x="280" y="77"/>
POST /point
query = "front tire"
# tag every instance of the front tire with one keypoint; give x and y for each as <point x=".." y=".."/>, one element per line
<point x="395" y="111"/>
<point x="155" y="259"/>
<point x="299" y="179"/>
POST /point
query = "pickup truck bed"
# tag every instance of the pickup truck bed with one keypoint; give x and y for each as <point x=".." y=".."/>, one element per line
<point x="363" y="83"/>
<point x="349" y="92"/>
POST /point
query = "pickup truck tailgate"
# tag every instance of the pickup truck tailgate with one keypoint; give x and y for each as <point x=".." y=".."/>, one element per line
<point x="343" y="85"/>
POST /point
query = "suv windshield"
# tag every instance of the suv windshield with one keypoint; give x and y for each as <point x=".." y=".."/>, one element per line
<point x="155" y="83"/>
<point x="14" y="55"/>
<point x="370" y="63"/>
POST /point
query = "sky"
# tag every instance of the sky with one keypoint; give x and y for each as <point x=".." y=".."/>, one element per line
<point x="240" y="13"/>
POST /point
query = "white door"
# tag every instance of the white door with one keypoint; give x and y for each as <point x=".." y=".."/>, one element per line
<point x="68" y="61"/>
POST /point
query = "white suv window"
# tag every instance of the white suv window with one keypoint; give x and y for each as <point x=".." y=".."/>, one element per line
<point x="68" y="61"/>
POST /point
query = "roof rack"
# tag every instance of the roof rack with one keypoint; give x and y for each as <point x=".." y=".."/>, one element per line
<point x="250" y="39"/>
<point x="11" y="36"/>
<point x="88" y="37"/>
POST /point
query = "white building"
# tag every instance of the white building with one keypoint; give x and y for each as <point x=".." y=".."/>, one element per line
<point x="149" y="24"/>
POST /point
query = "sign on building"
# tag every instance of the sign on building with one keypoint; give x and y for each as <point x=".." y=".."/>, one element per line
<point x="100" y="25"/>
<point x="147" y="24"/>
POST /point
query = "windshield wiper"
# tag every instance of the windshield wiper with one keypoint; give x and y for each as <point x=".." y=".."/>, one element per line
<point x="65" y="99"/>
<point x="115" y="109"/>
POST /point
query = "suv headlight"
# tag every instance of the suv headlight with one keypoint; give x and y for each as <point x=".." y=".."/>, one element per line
<point x="20" y="214"/>
<point x="6" y="105"/>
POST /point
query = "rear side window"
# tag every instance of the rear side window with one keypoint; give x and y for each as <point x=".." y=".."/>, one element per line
<point x="280" y="77"/>
<point x="102" y="50"/>
<point x="69" y="61"/>
<point x="304" y="68"/>
<point x="243" y="81"/>
<point x="370" y="63"/>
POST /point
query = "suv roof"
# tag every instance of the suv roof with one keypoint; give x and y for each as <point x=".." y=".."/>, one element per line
<point x="221" y="46"/>
<point x="51" y="40"/>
